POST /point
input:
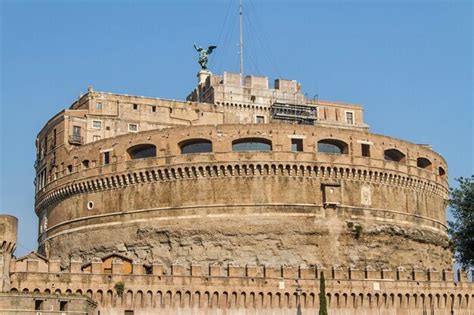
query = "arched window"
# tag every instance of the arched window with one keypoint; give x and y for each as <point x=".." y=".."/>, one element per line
<point x="394" y="155"/>
<point x="441" y="171"/>
<point x="196" y="146"/>
<point x="142" y="151"/>
<point x="422" y="162"/>
<point x="251" y="144"/>
<point x="332" y="146"/>
<point x="85" y="164"/>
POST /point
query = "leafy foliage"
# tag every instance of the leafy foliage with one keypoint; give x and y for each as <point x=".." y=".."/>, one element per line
<point x="323" y="308"/>
<point x="119" y="287"/>
<point x="461" y="229"/>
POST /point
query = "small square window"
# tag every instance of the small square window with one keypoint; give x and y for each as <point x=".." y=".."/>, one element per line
<point x="350" y="118"/>
<point x="95" y="138"/>
<point x="296" y="145"/>
<point x="153" y="109"/>
<point x="135" y="106"/>
<point x="96" y="124"/>
<point x="98" y="105"/>
<point x="365" y="148"/>
<point x="133" y="127"/>
<point x="260" y="119"/>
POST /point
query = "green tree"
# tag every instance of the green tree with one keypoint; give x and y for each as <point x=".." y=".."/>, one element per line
<point x="461" y="229"/>
<point x="323" y="308"/>
<point x="119" y="287"/>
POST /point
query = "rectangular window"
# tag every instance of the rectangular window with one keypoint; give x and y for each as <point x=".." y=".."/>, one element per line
<point x="296" y="145"/>
<point x="76" y="131"/>
<point x="365" y="148"/>
<point x="148" y="270"/>
<point x="95" y="138"/>
<point x="38" y="305"/>
<point x="54" y="138"/>
<point x="133" y="127"/>
<point x="106" y="158"/>
<point x="98" y="105"/>
<point x="135" y="106"/>
<point x="63" y="306"/>
<point x="97" y="124"/>
<point x="260" y="119"/>
<point x="128" y="312"/>
<point x="153" y="109"/>
<point x="350" y="118"/>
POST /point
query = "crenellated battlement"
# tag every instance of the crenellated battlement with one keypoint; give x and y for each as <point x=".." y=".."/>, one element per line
<point x="118" y="283"/>
<point x="117" y="264"/>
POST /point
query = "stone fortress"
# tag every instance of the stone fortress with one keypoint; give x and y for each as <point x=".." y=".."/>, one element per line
<point x="233" y="202"/>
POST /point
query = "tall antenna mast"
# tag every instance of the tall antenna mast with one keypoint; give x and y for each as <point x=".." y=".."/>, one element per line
<point x="241" y="44"/>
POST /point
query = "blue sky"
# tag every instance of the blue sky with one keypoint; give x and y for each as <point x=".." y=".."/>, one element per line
<point x="408" y="62"/>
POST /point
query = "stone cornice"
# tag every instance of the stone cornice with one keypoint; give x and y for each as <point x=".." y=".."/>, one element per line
<point x="232" y="169"/>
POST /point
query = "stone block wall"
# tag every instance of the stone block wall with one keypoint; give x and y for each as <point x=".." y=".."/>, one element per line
<point x="253" y="289"/>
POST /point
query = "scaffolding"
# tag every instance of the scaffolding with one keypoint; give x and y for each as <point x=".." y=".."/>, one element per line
<point x="296" y="114"/>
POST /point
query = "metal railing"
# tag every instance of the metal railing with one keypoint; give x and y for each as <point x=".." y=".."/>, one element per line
<point x="76" y="139"/>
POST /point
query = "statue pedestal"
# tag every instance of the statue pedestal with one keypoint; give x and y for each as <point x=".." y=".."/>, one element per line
<point x="202" y="76"/>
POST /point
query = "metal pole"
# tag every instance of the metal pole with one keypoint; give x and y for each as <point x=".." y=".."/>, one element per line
<point x="241" y="44"/>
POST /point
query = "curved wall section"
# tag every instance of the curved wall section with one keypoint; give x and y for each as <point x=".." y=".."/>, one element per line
<point x="271" y="207"/>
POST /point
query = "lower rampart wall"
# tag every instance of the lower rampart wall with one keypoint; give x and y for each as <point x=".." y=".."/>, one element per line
<point x="254" y="289"/>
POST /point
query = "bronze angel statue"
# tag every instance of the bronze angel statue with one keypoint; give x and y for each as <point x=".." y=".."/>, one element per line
<point x="203" y="55"/>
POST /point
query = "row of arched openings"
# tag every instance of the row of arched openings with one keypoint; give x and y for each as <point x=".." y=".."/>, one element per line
<point x="327" y="146"/>
<point x="270" y="299"/>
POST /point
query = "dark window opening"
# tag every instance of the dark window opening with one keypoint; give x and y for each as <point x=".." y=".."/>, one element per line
<point x="297" y="145"/>
<point x="106" y="158"/>
<point x="128" y="312"/>
<point x="85" y="164"/>
<point x="148" y="270"/>
<point x="38" y="305"/>
<point x="332" y="146"/>
<point x="423" y="162"/>
<point x="441" y="171"/>
<point x="394" y="155"/>
<point x="54" y="138"/>
<point x="196" y="146"/>
<point x="63" y="306"/>
<point x="153" y="109"/>
<point x="135" y="106"/>
<point x="251" y="144"/>
<point x="260" y="119"/>
<point x="365" y="150"/>
<point x="69" y="168"/>
<point x="142" y="151"/>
